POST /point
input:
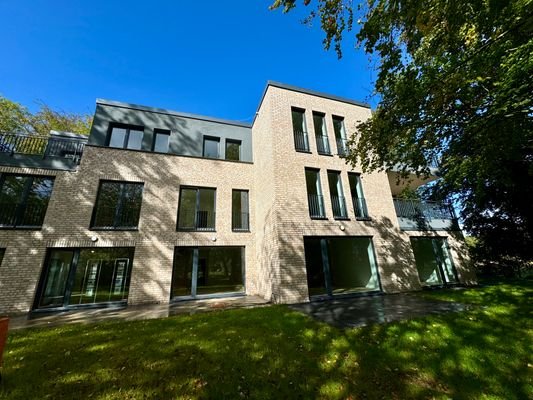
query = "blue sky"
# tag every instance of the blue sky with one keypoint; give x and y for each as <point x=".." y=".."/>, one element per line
<point x="208" y="57"/>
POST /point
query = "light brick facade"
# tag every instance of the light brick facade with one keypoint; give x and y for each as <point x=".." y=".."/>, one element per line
<point x="279" y="217"/>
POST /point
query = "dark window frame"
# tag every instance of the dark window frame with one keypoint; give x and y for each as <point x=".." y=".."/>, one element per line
<point x="342" y="149"/>
<point x="118" y="207"/>
<point x="158" y="131"/>
<point x="326" y="148"/>
<point x="320" y="196"/>
<point x="128" y="128"/>
<point x="247" y="219"/>
<point x="195" y="228"/>
<point x="21" y="207"/>
<point x="341" y="197"/>
<point x="301" y="145"/>
<point x="362" y="203"/>
<point x="233" y="141"/>
<point x="212" y="138"/>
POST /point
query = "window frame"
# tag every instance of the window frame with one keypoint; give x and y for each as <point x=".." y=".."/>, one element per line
<point x="166" y="132"/>
<point x="342" y="134"/>
<point x="339" y="188"/>
<point x="247" y="228"/>
<point x="128" y="129"/>
<point x="212" y="138"/>
<point x="324" y="131"/>
<point x="359" y="185"/>
<point x="118" y="207"/>
<point x="22" y="206"/>
<point x="232" y="141"/>
<point x="307" y="148"/>
<point x="197" y="203"/>
<point x="320" y="194"/>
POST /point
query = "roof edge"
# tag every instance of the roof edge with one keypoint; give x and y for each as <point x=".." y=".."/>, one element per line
<point x="156" y="110"/>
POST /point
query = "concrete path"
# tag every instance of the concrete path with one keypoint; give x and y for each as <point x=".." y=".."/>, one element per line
<point x="360" y="311"/>
<point x="132" y="313"/>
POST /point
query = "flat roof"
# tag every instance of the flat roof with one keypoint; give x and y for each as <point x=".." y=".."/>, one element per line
<point x="130" y="106"/>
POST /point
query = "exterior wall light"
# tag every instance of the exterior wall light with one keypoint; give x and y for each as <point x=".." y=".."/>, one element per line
<point x="94" y="239"/>
<point x="341" y="227"/>
<point x="214" y="239"/>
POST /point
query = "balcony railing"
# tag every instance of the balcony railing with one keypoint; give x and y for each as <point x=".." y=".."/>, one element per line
<point x="428" y="210"/>
<point x="192" y="220"/>
<point x="127" y="217"/>
<point x="339" y="207"/>
<point x="316" y="206"/>
<point x="44" y="146"/>
<point x="359" y="208"/>
<point x="322" y="144"/>
<point x="240" y="222"/>
<point x="22" y="214"/>
<point x="342" y="147"/>
<point x="301" y="141"/>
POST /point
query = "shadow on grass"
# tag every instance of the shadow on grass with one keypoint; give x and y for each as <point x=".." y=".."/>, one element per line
<point x="273" y="352"/>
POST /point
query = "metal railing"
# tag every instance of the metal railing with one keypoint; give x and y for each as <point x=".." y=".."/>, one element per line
<point x="107" y="217"/>
<point x="339" y="207"/>
<point x="240" y="222"/>
<point x="427" y="210"/>
<point x="45" y="146"/>
<point x="359" y="207"/>
<point x="301" y="141"/>
<point x="322" y="144"/>
<point x="22" y="214"/>
<point x="342" y="147"/>
<point x="192" y="220"/>
<point x="316" y="206"/>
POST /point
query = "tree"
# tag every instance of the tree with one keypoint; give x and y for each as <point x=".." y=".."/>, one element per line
<point x="454" y="81"/>
<point x="15" y="118"/>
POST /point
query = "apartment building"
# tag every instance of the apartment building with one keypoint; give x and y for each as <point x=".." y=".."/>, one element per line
<point x="157" y="206"/>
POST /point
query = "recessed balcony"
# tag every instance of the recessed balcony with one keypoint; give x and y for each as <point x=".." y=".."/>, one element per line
<point x="418" y="215"/>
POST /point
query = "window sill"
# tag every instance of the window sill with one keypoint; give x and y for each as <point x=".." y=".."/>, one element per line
<point x="363" y="219"/>
<point x="241" y="230"/>
<point x="196" y="230"/>
<point x="326" y="154"/>
<point x="303" y="151"/>
<point x="96" y="228"/>
<point x="320" y="218"/>
<point x="23" y="228"/>
<point x="341" y="218"/>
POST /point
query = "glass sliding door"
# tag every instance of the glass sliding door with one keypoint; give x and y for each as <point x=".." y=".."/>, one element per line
<point x="433" y="261"/>
<point x="74" y="277"/>
<point x="337" y="266"/>
<point x="201" y="271"/>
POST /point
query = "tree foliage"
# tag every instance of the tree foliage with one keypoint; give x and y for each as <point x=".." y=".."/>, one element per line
<point x="454" y="81"/>
<point x="15" y="118"/>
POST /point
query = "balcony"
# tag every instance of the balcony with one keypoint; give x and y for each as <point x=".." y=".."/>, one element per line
<point x="322" y="145"/>
<point x="201" y="220"/>
<point x="22" y="215"/>
<point x="301" y="141"/>
<point x="418" y="215"/>
<point x="316" y="206"/>
<point x="339" y="207"/>
<point x="342" y="147"/>
<point x="359" y="208"/>
<point x="240" y="222"/>
<point x="58" y="151"/>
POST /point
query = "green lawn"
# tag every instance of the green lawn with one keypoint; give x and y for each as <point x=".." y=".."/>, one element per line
<point x="272" y="352"/>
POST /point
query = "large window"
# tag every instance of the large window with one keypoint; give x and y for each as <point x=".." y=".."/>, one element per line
<point x="240" y="218"/>
<point x="337" y="266"/>
<point x="211" y="147"/>
<point x="197" y="209"/>
<point x="126" y="137"/>
<point x="321" y="135"/>
<point x="233" y="150"/>
<point x="340" y="135"/>
<point x="161" y="141"/>
<point x="74" y="277"/>
<point x="118" y="205"/>
<point x="433" y="261"/>
<point x="203" y="271"/>
<point x="299" y="130"/>
<point x="314" y="193"/>
<point x="337" y="197"/>
<point x="24" y="200"/>
<point x="358" y="199"/>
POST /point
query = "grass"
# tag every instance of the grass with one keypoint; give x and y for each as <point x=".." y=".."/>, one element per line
<point x="272" y="352"/>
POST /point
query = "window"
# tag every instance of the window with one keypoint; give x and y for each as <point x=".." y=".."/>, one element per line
<point x="211" y="147"/>
<point x="205" y="271"/>
<point x="74" y="277"/>
<point x="126" y="137"/>
<point x="233" y="150"/>
<point x="340" y="135"/>
<point x="337" y="198"/>
<point x="314" y="193"/>
<point x="24" y="200"/>
<point x="118" y="205"/>
<point x="321" y="135"/>
<point x="240" y="220"/>
<point x="161" y="141"/>
<point x="433" y="261"/>
<point x="196" y="209"/>
<point x="358" y="199"/>
<point x="301" y="142"/>
<point x="2" y="252"/>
